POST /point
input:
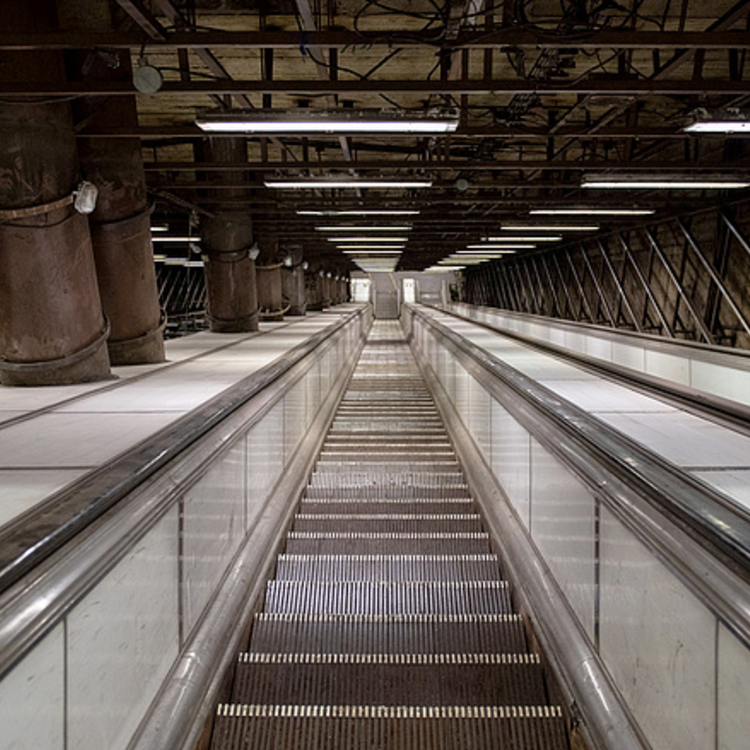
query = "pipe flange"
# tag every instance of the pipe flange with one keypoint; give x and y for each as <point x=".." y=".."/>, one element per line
<point x="119" y="347"/>
<point x="231" y="256"/>
<point x="62" y="362"/>
<point x="9" y="214"/>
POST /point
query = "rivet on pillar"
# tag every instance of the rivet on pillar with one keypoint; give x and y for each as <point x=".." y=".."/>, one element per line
<point x="232" y="299"/>
<point x="120" y="224"/>
<point x="52" y="330"/>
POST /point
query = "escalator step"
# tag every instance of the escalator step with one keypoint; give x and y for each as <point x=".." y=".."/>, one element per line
<point x="398" y="634"/>
<point x="329" y="543"/>
<point x="352" y="487"/>
<point x="387" y="598"/>
<point x="389" y="679"/>
<point x="398" y="727"/>
<point x="393" y="505"/>
<point x="404" y="568"/>
<point x="396" y="522"/>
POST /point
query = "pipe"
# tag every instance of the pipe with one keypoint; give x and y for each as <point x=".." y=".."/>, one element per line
<point x="51" y="320"/>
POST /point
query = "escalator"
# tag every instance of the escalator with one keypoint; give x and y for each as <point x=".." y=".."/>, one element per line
<point x="388" y="623"/>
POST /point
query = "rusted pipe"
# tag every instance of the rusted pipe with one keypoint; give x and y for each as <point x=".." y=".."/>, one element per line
<point x="52" y="330"/>
<point x="293" y="289"/>
<point x="120" y="230"/>
<point x="232" y="299"/>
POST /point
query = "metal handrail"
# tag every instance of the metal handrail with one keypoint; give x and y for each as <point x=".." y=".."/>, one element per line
<point x="32" y="606"/>
<point x="664" y="505"/>
<point x="712" y="405"/>
<point x="698" y="349"/>
<point x="26" y="542"/>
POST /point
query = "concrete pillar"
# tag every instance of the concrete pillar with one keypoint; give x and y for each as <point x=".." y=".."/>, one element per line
<point x="52" y="330"/>
<point x="232" y="299"/>
<point x="120" y="230"/>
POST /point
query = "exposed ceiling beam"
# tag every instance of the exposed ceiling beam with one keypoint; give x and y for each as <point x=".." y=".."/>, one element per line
<point x="604" y="85"/>
<point x="511" y="37"/>
<point x="144" y="18"/>
<point x="493" y="165"/>
<point x="497" y="131"/>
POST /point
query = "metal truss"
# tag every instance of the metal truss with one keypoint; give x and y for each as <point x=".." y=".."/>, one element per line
<point x="684" y="277"/>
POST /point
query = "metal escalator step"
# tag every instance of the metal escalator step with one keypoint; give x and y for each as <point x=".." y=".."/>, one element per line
<point x="449" y="522"/>
<point x="394" y="728"/>
<point x="378" y="465"/>
<point x="395" y="634"/>
<point x="387" y="568"/>
<point x="384" y="439"/>
<point x="332" y="543"/>
<point x="393" y="505"/>
<point x="402" y="454"/>
<point x="389" y="679"/>
<point x="360" y="491"/>
<point x="388" y="479"/>
<point x="388" y="597"/>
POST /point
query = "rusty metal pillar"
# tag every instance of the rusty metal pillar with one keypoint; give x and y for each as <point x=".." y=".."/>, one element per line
<point x="269" y="280"/>
<point x="313" y="290"/>
<point x="293" y="283"/>
<point x="52" y="330"/>
<point x="120" y="225"/>
<point x="325" y="289"/>
<point x="232" y="299"/>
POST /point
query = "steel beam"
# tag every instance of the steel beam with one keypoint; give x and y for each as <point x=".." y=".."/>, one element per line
<point x="646" y="287"/>
<point x="715" y="276"/>
<point x="604" y="86"/>
<point x="340" y="38"/>
<point x="620" y="288"/>
<point x="699" y="322"/>
<point x="443" y="165"/>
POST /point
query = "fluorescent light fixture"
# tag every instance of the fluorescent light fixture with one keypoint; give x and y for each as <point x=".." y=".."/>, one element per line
<point x="592" y="211"/>
<point x="484" y="253"/>
<point x="345" y="183"/>
<point x="549" y="227"/>
<point x="193" y="264"/>
<point x="175" y="239"/>
<point x="366" y="248"/>
<point x="371" y="253"/>
<point x="346" y="228"/>
<point x="160" y="228"/>
<point x="359" y="212"/>
<point x="547" y="238"/>
<point x="500" y="247"/>
<point x="279" y="122"/>
<point x="662" y="181"/>
<point x="442" y="269"/>
<point x="175" y="261"/>
<point x="158" y="257"/>
<point x="462" y="263"/>
<point x="723" y="121"/>
<point x="368" y="239"/>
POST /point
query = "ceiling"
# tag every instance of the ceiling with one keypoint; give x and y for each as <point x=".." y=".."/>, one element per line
<point x="546" y="90"/>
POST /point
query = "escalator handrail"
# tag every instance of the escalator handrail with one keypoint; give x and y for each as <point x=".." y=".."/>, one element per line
<point x="30" y="539"/>
<point x="654" y="342"/>
<point x="635" y="482"/>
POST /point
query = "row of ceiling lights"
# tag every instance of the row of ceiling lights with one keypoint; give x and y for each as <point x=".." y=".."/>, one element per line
<point x="373" y="248"/>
